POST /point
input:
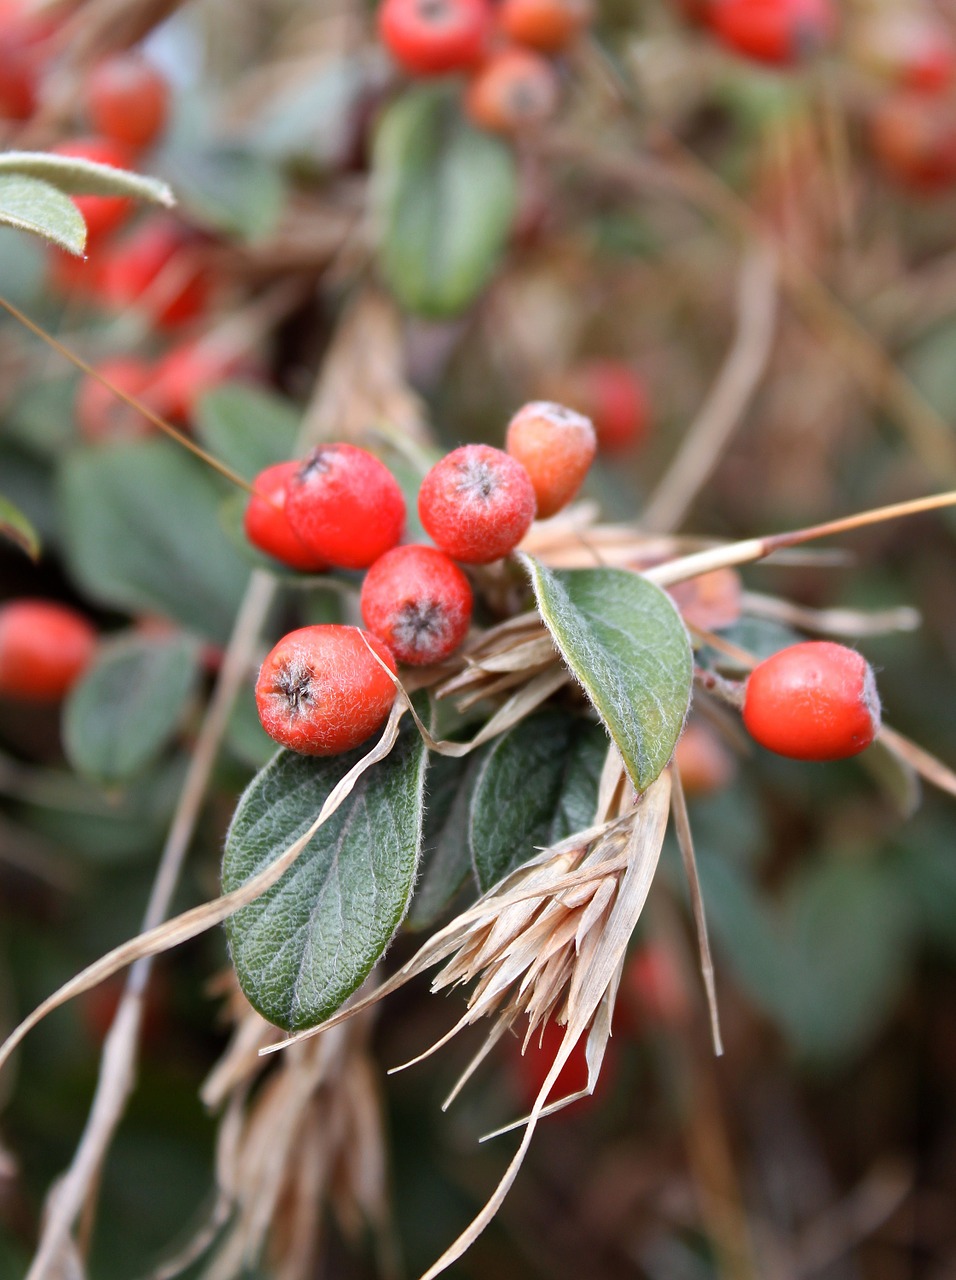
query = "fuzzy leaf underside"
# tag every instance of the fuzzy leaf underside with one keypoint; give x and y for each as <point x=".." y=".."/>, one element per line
<point x="445" y="196"/>
<point x="537" y="784"/>
<point x="128" y="705"/>
<point x="30" y="204"/>
<point x="625" y="642"/>
<point x="73" y="175"/>
<point x="307" y="943"/>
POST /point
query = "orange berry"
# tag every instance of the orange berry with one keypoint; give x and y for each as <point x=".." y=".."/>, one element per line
<point x="44" y="649"/>
<point x="556" y="446"/>
<point x="514" y="91"/>
<point x="546" y="25"/>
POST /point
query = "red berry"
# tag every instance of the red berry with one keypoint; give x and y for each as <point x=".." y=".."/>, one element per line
<point x="266" y="523"/>
<point x="128" y="99"/>
<point x="320" y="691"/>
<point x="23" y="34"/>
<point x="613" y="396"/>
<point x="530" y="1070"/>
<point x="100" y="415"/>
<point x="653" y="987"/>
<point x="431" y="37"/>
<point x="345" y="505"/>
<point x="556" y="446"/>
<point x="813" y="701"/>
<point x="914" y="49"/>
<point x="44" y="648"/>
<point x="185" y="374"/>
<point x="477" y="503"/>
<point x="914" y="138"/>
<point x="157" y="270"/>
<point x="515" y="90"/>
<point x="419" y="602"/>
<point x="546" y="25"/>
<point x="779" y="32"/>
<point x="100" y="213"/>
<point x="703" y="762"/>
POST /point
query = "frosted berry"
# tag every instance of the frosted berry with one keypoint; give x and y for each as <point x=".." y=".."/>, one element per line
<point x="44" y="648"/>
<point x="128" y="99"/>
<point x="546" y="25"/>
<point x="419" y="602"/>
<point x="101" y="415"/>
<point x="267" y="526"/>
<point x="515" y="90"/>
<point x="556" y="446"/>
<point x="101" y="214"/>
<point x="345" y="505"/>
<point x="778" y="32"/>
<point x="813" y="701"/>
<point x="432" y="37"/>
<point x="321" y="691"/>
<point x="477" y="503"/>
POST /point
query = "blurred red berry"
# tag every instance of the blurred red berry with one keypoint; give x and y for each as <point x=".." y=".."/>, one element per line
<point x="320" y="691"/>
<point x="515" y="90"/>
<point x="612" y="395"/>
<point x="778" y="32"/>
<point x="101" y="213"/>
<point x="185" y="374"/>
<point x="530" y="1070"/>
<point x="703" y="761"/>
<point x="546" y="25"/>
<point x="433" y="37"/>
<point x="913" y="48"/>
<point x="914" y="140"/>
<point x="100" y="415"/>
<point x="44" y="649"/>
<point x="156" y="268"/>
<point x="127" y="99"/>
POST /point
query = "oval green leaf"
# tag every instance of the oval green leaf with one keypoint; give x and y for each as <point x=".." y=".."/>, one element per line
<point x="247" y="428"/>
<point x="126" y="708"/>
<point x="538" y="784"/>
<point x="30" y="204"/>
<point x="307" y="943"/>
<point x="625" y="642"/>
<point x="445" y="198"/>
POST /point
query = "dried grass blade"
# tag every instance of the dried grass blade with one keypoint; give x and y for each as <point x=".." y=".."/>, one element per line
<point x="925" y="764"/>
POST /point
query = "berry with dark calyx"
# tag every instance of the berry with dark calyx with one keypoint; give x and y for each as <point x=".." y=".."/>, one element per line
<point x="101" y="214"/>
<point x="321" y="690"/>
<point x="101" y="415"/>
<point x="546" y="25"/>
<point x="419" y="602"/>
<point x="434" y="37"/>
<point x="778" y="32"/>
<point x="477" y="503"/>
<point x="156" y="270"/>
<point x="345" y="506"/>
<point x="267" y="526"/>
<point x="556" y="446"/>
<point x="515" y="90"/>
<point x="44" y="649"/>
<point x="128" y="99"/>
<point x="813" y="701"/>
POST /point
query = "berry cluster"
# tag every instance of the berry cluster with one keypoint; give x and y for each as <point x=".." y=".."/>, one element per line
<point x="504" y="49"/>
<point x="322" y="690"/>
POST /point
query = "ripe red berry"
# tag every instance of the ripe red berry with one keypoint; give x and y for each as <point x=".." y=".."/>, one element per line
<point x="477" y="503"/>
<point x="530" y="1069"/>
<point x="813" y="701"/>
<point x="44" y="648"/>
<point x="779" y="32"/>
<point x="320" y="691"/>
<point x="100" y="415"/>
<point x="345" y="505"/>
<point x="556" y="446"/>
<point x="546" y="25"/>
<point x="613" y="396"/>
<point x="912" y="48"/>
<point x="267" y="526"/>
<point x="432" y="37"/>
<point x="914" y="138"/>
<point x="128" y="99"/>
<point x="23" y="52"/>
<point x="419" y="602"/>
<point x="185" y="373"/>
<point x="158" y="271"/>
<point x="101" y="213"/>
<point x="515" y="90"/>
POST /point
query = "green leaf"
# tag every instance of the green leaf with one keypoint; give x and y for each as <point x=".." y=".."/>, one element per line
<point x="445" y="861"/>
<point x="29" y="204"/>
<point x="445" y="195"/>
<point x="307" y="943"/>
<point x="247" y="428"/>
<point x="625" y="642"/>
<point x="119" y="717"/>
<point x="141" y="532"/>
<point x="16" y="528"/>
<point x="229" y="189"/>
<point x="75" y="176"/>
<point x="537" y="784"/>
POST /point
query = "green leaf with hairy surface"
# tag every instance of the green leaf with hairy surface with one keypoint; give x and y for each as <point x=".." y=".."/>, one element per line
<point x="308" y="942"/>
<point x="446" y="862"/>
<point x="247" y="428"/>
<point x="625" y="642"/>
<point x="228" y="189"/>
<point x="141" y="532"/>
<point x="128" y="705"/>
<point x="445" y="197"/>
<point x="537" y="784"/>
<point x="75" y="176"/>
<point x="29" y="204"/>
<point x="16" y="528"/>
